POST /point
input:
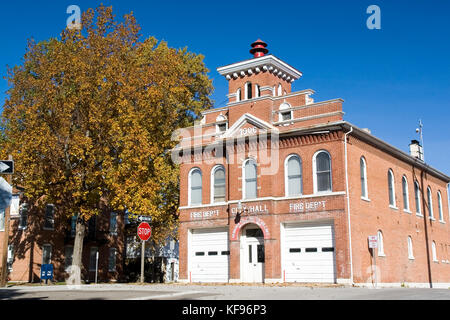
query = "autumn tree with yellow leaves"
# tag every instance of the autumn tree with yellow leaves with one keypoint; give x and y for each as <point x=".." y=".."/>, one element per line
<point x="89" y="119"/>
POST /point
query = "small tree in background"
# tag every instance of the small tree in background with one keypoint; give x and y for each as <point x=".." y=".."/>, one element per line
<point x="89" y="119"/>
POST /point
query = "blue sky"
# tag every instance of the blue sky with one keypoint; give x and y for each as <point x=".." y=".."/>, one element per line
<point x="388" y="78"/>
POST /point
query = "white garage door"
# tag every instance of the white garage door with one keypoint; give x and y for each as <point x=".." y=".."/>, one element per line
<point x="209" y="255"/>
<point x="308" y="253"/>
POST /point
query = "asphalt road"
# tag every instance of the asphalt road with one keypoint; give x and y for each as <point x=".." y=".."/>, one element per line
<point x="216" y="292"/>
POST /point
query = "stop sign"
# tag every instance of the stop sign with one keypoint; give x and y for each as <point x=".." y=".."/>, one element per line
<point x="144" y="231"/>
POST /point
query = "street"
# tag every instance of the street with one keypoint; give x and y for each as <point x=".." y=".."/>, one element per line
<point x="216" y="292"/>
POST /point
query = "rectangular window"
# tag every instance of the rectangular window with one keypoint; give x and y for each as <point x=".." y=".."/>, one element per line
<point x="327" y="249"/>
<point x="212" y="253"/>
<point x="2" y="220"/>
<point x="225" y="253"/>
<point x="286" y="116"/>
<point x="113" y="223"/>
<point x="294" y="250"/>
<point x="23" y="216"/>
<point x="250" y="253"/>
<point x="91" y="227"/>
<point x="311" y="250"/>
<point x="46" y="254"/>
<point x="93" y="258"/>
<point x="260" y="252"/>
<point x="222" y="127"/>
<point x="68" y="256"/>
<point x="200" y="253"/>
<point x="112" y="260"/>
<point x="49" y="222"/>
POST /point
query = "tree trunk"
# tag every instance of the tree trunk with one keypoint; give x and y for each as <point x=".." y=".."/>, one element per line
<point x="77" y="263"/>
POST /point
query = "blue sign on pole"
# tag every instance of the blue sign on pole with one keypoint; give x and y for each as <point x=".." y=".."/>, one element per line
<point x="47" y="272"/>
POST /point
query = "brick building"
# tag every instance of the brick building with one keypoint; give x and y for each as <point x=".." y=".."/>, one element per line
<point x="276" y="187"/>
<point x="40" y="236"/>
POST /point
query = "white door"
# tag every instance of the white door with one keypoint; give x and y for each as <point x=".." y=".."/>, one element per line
<point x="252" y="253"/>
<point x="209" y="255"/>
<point x="308" y="253"/>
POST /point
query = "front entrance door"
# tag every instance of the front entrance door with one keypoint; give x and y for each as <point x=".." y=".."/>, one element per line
<point x="253" y="255"/>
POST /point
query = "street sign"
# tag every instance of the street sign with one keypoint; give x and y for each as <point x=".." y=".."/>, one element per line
<point x="373" y="242"/>
<point x="5" y="194"/>
<point x="144" y="231"/>
<point x="145" y="218"/>
<point x="6" y="166"/>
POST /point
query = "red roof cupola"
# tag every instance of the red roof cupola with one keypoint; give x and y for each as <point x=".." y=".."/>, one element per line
<point x="258" y="48"/>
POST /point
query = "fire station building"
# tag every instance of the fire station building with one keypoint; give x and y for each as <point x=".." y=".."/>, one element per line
<point x="277" y="187"/>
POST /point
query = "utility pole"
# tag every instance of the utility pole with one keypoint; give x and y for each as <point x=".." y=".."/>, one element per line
<point x="4" y="273"/>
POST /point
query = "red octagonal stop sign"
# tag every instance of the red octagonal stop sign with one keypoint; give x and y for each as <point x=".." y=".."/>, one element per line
<point x="144" y="231"/>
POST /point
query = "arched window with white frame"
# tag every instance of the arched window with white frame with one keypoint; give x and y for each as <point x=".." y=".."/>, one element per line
<point x="430" y="203"/>
<point x="380" y="243"/>
<point x="249" y="180"/>
<point x="257" y="91"/>
<point x="248" y="90"/>
<point x="363" y="174"/>
<point x="280" y="89"/>
<point x="195" y="187"/>
<point x="405" y="193"/>
<point x="322" y="178"/>
<point x="391" y="187"/>
<point x="441" y="213"/>
<point x="410" y="248"/>
<point x="238" y="95"/>
<point x="218" y="184"/>
<point x="417" y="198"/>
<point x="293" y="175"/>
<point x="433" y="251"/>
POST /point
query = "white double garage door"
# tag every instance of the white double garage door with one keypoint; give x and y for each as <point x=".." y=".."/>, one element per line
<point x="307" y="253"/>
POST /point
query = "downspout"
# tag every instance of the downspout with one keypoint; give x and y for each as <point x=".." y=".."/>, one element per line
<point x="348" y="205"/>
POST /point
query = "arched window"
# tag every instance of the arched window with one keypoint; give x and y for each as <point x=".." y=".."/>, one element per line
<point x="430" y="203"/>
<point x="238" y="95"/>
<point x="441" y="214"/>
<point x="410" y="248"/>
<point x="257" y="91"/>
<point x="363" y="174"/>
<point x="405" y="194"/>
<point x="250" y="181"/>
<point x="274" y="91"/>
<point x="380" y="243"/>
<point x="293" y="175"/>
<point x="248" y="90"/>
<point x="218" y="184"/>
<point x="222" y="124"/>
<point x="322" y="171"/>
<point x="433" y="251"/>
<point x="280" y="89"/>
<point x="195" y="187"/>
<point x="391" y="186"/>
<point x="417" y="198"/>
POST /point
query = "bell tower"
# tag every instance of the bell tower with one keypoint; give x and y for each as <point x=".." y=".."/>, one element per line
<point x="262" y="75"/>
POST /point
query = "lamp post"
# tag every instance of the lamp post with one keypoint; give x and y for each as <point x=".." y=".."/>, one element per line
<point x="240" y="210"/>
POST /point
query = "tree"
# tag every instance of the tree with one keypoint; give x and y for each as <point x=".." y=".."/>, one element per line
<point x="89" y="119"/>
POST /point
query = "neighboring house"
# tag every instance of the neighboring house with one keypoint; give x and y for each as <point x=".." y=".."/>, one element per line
<point x="40" y="236"/>
<point x="277" y="187"/>
<point x="164" y="259"/>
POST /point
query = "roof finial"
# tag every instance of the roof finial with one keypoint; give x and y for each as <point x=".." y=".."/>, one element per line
<point x="258" y="48"/>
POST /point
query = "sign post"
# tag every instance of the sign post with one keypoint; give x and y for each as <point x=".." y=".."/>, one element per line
<point x="6" y="167"/>
<point x="373" y="244"/>
<point x="144" y="232"/>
